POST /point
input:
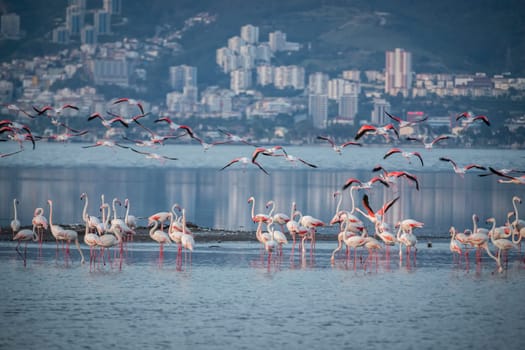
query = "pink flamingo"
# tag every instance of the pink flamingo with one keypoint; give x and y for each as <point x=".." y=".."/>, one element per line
<point x="338" y="148"/>
<point x="429" y="145"/>
<point x="461" y="170"/>
<point x="56" y="110"/>
<point x="244" y="161"/>
<point x="15" y="223"/>
<point x="519" y="180"/>
<point x="455" y="246"/>
<point x="404" y="123"/>
<point x="160" y="237"/>
<point x="131" y="101"/>
<point x="64" y="235"/>
<point x="39" y="223"/>
<point x="375" y="217"/>
<point x="375" y="130"/>
<point x="265" y="218"/>
<point x="407" y="155"/>
<point x="24" y="235"/>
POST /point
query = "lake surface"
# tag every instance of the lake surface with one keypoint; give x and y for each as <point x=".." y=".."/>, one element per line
<point x="230" y="296"/>
<point x="219" y="199"/>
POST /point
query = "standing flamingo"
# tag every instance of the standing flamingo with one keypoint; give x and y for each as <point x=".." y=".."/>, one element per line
<point x="15" y="223"/>
<point x="455" y="246"/>
<point x="187" y="241"/>
<point x="39" y="223"/>
<point x="160" y="237"/>
<point x="259" y="217"/>
<point x="279" y="218"/>
<point x="503" y="245"/>
<point x="61" y="234"/>
<point x="24" y="235"/>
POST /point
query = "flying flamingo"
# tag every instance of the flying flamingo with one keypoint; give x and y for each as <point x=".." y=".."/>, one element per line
<point x="461" y="171"/>
<point x="24" y="235"/>
<point x="234" y="138"/>
<point x="19" y="137"/>
<point x="14" y="108"/>
<point x="404" y="123"/>
<point x="151" y="155"/>
<point x="160" y="237"/>
<point x="469" y="118"/>
<point x="391" y="176"/>
<point x="511" y="179"/>
<point x="405" y="154"/>
<point x="244" y="161"/>
<point x="65" y="235"/>
<point x="126" y="121"/>
<point x="338" y="148"/>
<point x="105" y="143"/>
<point x="429" y="145"/>
<point x="377" y="216"/>
<point x="4" y="155"/>
<point x="15" y="223"/>
<point x="131" y="101"/>
<point x="56" y="110"/>
<point x="375" y="130"/>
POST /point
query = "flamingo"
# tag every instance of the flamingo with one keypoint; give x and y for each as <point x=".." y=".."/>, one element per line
<point x="235" y="138"/>
<point x="502" y="244"/>
<point x="518" y="225"/>
<point x="375" y="217"/>
<point x="293" y="159"/>
<point x="391" y="176"/>
<point x="244" y="161"/>
<point x="187" y="241"/>
<point x="126" y="121"/>
<point x="19" y="137"/>
<point x="161" y="217"/>
<point x="130" y="220"/>
<point x="39" y="223"/>
<point x="375" y="130"/>
<point x="385" y="235"/>
<point x="14" y="108"/>
<point x="519" y="180"/>
<point x="118" y="224"/>
<point x="429" y="145"/>
<point x="341" y="215"/>
<point x="338" y="148"/>
<point x="347" y="229"/>
<point x="24" y="235"/>
<point x="461" y="170"/>
<point x="469" y="118"/>
<point x="15" y="223"/>
<point x="408" y="239"/>
<point x="455" y="245"/>
<point x="92" y="240"/>
<point x="405" y="154"/>
<point x="151" y="155"/>
<point x="403" y="123"/>
<point x="8" y="154"/>
<point x="105" y="143"/>
<point x="108" y="240"/>
<point x="265" y="218"/>
<point x="408" y="225"/>
<point x="279" y="218"/>
<point x="373" y="246"/>
<point x="56" y="110"/>
<point x="105" y="123"/>
<point x="61" y="234"/>
<point x="92" y="222"/>
<point x="311" y="223"/>
<point x="294" y="228"/>
<point x="130" y="101"/>
<point x="159" y="236"/>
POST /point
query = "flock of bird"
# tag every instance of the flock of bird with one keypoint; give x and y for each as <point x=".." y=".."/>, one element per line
<point x="353" y="231"/>
<point x="105" y="232"/>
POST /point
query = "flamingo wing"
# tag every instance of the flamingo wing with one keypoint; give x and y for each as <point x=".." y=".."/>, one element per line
<point x="326" y="138"/>
<point x="440" y="138"/>
<point x="417" y="154"/>
<point x="348" y="143"/>
<point x="391" y="151"/>
<point x="397" y="119"/>
<point x="363" y="130"/>
<point x="367" y="206"/>
<point x="387" y="206"/>
<point x="350" y="181"/>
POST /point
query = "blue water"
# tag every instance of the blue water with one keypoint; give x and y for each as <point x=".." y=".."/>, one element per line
<point x="230" y="298"/>
<point x="218" y="199"/>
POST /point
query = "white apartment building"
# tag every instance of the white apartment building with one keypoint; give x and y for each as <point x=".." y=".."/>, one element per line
<point x="240" y="80"/>
<point x="250" y="34"/>
<point x="10" y="25"/>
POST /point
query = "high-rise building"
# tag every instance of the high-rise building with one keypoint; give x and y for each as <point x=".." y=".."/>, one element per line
<point x="182" y="76"/>
<point x="102" y="22"/>
<point x="61" y="35"/>
<point x="235" y="43"/>
<point x="88" y="35"/>
<point x="297" y="77"/>
<point x="80" y="3"/>
<point x="378" y="116"/>
<point x="10" y="25"/>
<point x="240" y="80"/>
<point x="318" y="110"/>
<point x="348" y="109"/>
<point x="114" y="7"/>
<point x="74" y="19"/>
<point x="398" y="72"/>
<point x="250" y="34"/>
<point x="277" y="40"/>
<point x="318" y="84"/>
<point x="265" y="75"/>
<point x="111" y="71"/>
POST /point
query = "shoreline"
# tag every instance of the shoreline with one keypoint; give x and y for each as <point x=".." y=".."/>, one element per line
<point x="202" y="234"/>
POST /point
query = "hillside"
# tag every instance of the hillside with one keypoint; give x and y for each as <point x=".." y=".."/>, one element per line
<point x="444" y="36"/>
